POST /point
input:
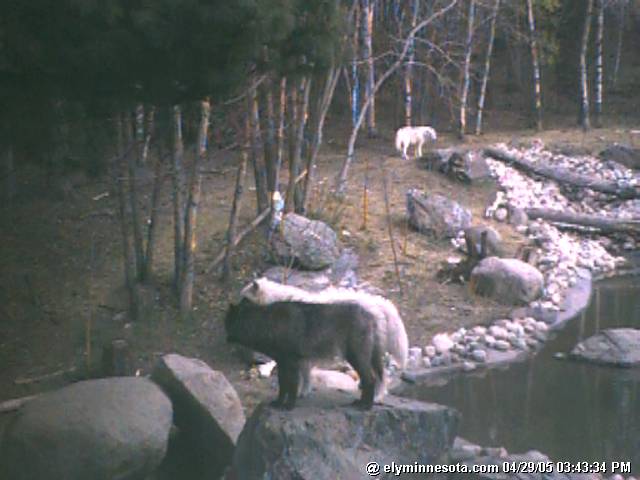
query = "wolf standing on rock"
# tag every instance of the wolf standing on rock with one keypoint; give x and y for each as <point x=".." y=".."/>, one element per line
<point x="393" y="333"/>
<point x="293" y="333"/>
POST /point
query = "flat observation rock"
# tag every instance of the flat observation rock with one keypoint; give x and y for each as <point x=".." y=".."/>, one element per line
<point x="618" y="347"/>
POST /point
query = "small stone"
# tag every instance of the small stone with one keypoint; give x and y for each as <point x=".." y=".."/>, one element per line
<point x="560" y="355"/>
<point x="426" y="362"/>
<point x="430" y="351"/>
<point x="468" y="366"/>
<point x="436" y="361"/>
<point x="442" y="342"/>
<point x="415" y="353"/>
<point x="497" y="452"/>
<point x="501" y="214"/>
<point x="541" y="326"/>
<point x="489" y="340"/>
<point x="498" y="332"/>
<point x="479" y="355"/>
<point x="501" y="345"/>
<point x="532" y="342"/>
<point x="479" y="330"/>
<point x="520" y="343"/>
<point x="265" y="370"/>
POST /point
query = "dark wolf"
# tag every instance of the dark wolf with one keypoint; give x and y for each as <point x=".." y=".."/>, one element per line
<point x="294" y="333"/>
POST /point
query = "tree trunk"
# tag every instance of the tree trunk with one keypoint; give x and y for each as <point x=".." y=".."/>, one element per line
<point x="487" y="66"/>
<point x="368" y="8"/>
<point x="270" y="138"/>
<point x="344" y="171"/>
<point x="303" y="114"/>
<point x="178" y="187"/>
<point x="133" y="202"/>
<point x="237" y="199"/>
<point x="189" y="244"/>
<point x="139" y="134"/>
<point x="150" y="127"/>
<point x="616" y="65"/>
<point x="537" y="91"/>
<point x="466" y="69"/>
<point x="325" y="102"/>
<point x="158" y="178"/>
<point x="10" y="175"/>
<point x="355" y="87"/>
<point x="583" y="118"/>
<point x="257" y="157"/>
<point x="408" y="74"/>
<point x="604" y="224"/>
<point x="564" y="175"/>
<point x="599" y="66"/>
<point x="117" y="179"/>
<point x="282" y="112"/>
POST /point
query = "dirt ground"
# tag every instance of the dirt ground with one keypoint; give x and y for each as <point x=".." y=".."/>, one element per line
<point x="61" y="277"/>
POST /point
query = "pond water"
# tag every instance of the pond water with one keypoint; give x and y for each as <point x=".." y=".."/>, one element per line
<point x="568" y="410"/>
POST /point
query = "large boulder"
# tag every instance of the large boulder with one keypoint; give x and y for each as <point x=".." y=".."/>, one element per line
<point x="619" y="347"/>
<point x="324" y="438"/>
<point x="436" y="214"/>
<point x="623" y="154"/>
<point x="311" y="244"/>
<point x="115" y="428"/>
<point x="467" y="166"/>
<point x="341" y="274"/>
<point x="508" y="280"/>
<point x="208" y="414"/>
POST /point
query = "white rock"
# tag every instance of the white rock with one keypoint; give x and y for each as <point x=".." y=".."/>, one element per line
<point x="498" y="332"/>
<point x="442" y="342"/>
<point x="479" y="330"/>
<point x="415" y="353"/>
<point x="266" y="369"/>
<point x="430" y="351"/>
<point x="468" y="366"/>
<point x="426" y="362"/>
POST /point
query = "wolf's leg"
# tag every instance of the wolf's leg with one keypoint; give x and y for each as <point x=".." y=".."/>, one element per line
<point x="305" y="379"/>
<point x="288" y="380"/>
<point x="360" y="359"/>
<point x="420" y="149"/>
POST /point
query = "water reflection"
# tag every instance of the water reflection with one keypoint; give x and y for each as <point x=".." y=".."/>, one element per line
<point x="568" y="410"/>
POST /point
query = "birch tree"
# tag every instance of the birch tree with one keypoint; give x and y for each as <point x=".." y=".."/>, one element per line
<point x="408" y="74"/>
<point x="368" y="7"/>
<point x="467" y="68"/>
<point x="487" y="65"/>
<point x="193" y="199"/>
<point x="537" y="91"/>
<point x="599" y="66"/>
<point x="583" y="118"/>
<point x="616" y="64"/>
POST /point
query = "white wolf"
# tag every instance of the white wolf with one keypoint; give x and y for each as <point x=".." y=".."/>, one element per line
<point x="416" y="136"/>
<point x="391" y="327"/>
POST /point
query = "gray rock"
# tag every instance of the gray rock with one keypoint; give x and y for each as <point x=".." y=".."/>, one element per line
<point x="341" y="274"/>
<point x="326" y="438"/>
<point x="437" y="159"/>
<point x="517" y="216"/>
<point x="623" y="154"/>
<point x="312" y="244"/>
<point x="208" y="411"/>
<point x="97" y="429"/>
<point x="502" y="345"/>
<point x="507" y="280"/>
<point x="479" y="356"/>
<point x="467" y="166"/>
<point x="619" y="347"/>
<point x="493" y="242"/>
<point x="436" y="215"/>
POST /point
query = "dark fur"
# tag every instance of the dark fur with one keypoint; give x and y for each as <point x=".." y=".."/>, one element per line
<point x="294" y="333"/>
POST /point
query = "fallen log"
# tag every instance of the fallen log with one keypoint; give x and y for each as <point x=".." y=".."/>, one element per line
<point x="604" y="224"/>
<point x="15" y="403"/>
<point x="563" y="175"/>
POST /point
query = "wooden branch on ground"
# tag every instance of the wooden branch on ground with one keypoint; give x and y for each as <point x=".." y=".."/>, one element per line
<point x="563" y="175"/>
<point x="604" y="224"/>
<point x="15" y="403"/>
<point x="47" y="376"/>
<point x="248" y="229"/>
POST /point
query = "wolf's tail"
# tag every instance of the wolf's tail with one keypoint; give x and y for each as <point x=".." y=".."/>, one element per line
<point x="397" y="342"/>
<point x="399" y="140"/>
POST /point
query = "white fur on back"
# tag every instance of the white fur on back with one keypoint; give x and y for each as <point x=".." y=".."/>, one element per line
<point x="396" y="339"/>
